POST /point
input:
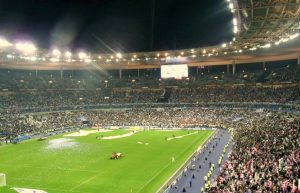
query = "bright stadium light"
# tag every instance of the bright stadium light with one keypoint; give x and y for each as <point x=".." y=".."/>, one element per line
<point x="68" y="54"/>
<point x="32" y="58"/>
<point x="266" y="46"/>
<point x="4" y="43"/>
<point x="87" y="60"/>
<point x="26" y="47"/>
<point x="54" y="59"/>
<point x="234" y="21"/>
<point x="56" y="52"/>
<point x="82" y="55"/>
<point x="119" y="55"/>
<point x="285" y="39"/>
<point x="9" y="56"/>
<point x="235" y="29"/>
<point x="224" y="45"/>
<point x="294" y="36"/>
<point x="231" y="6"/>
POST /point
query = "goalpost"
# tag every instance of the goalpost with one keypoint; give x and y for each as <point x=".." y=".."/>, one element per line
<point x="2" y="180"/>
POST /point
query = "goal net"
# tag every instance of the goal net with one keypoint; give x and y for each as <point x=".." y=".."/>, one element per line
<point x="2" y="180"/>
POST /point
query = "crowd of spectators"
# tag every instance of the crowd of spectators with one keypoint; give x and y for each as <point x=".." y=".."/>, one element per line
<point x="58" y="98"/>
<point x="205" y="94"/>
<point x="166" y="118"/>
<point x="266" y="154"/>
<point x="236" y="94"/>
<point x="288" y="74"/>
<point x="265" y="157"/>
<point x="15" y="124"/>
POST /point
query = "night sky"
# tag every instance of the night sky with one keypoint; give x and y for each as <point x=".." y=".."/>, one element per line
<point x="116" y="25"/>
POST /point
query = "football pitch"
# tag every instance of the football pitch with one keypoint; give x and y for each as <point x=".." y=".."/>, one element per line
<point x="64" y="164"/>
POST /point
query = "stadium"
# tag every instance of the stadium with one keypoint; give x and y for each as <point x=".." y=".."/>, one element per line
<point x="219" y="118"/>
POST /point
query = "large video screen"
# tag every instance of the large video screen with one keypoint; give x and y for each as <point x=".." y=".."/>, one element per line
<point x="176" y="71"/>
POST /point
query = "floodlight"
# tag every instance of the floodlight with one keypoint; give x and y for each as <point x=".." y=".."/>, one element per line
<point x="4" y="43"/>
<point x="267" y="45"/>
<point x="26" y="47"/>
<point x="68" y="54"/>
<point x="56" y="52"/>
<point x="54" y="59"/>
<point x="235" y="29"/>
<point x="32" y="58"/>
<point x="119" y="55"/>
<point x="294" y="36"/>
<point x="234" y="21"/>
<point x="87" y="60"/>
<point x="82" y="55"/>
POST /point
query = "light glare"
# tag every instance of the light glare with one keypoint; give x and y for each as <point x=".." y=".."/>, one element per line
<point x="26" y="47"/>
<point x="4" y="43"/>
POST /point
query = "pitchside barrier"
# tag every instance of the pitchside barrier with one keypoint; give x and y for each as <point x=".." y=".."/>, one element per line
<point x="2" y="180"/>
<point x="165" y="188"/>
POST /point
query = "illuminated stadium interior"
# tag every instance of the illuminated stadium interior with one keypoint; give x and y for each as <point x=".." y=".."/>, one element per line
<point x="220" y="118"/>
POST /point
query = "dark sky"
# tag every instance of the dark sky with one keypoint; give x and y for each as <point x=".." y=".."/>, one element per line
<point x="116" y="25"/>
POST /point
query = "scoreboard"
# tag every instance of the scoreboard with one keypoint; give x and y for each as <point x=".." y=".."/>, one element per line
<point x="177" y="71"/>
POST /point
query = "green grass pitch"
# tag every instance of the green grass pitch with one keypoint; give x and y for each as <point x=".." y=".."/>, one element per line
<point x="84" y="166"/>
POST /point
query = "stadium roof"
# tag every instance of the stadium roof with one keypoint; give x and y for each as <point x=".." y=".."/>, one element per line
<point x="265" y="30"/>
<point x="267" y="21"/>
